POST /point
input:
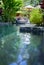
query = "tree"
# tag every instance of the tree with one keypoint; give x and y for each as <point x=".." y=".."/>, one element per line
<point x="10" y="8"/>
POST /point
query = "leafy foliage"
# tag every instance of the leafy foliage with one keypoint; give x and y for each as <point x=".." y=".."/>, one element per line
<point x="36" y="16"/>
<point x="10" y="8"/>
<point x="1" y="4"/>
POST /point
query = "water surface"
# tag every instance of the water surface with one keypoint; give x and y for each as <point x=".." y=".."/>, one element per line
<point x="18" y="48"/>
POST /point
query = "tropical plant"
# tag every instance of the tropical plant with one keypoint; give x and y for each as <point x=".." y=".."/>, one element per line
<point x="10" y="9"/>
<point x="36" y="16"/>
<point x="1" y="4"/>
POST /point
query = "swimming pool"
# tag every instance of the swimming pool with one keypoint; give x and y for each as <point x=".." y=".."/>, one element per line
<point x="19" y="48"/>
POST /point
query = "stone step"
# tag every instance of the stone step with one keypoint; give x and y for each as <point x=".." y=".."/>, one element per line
<point x="30" y="29"/>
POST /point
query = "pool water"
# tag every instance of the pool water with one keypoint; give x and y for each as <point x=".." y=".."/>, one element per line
<point x="19" y="48"/>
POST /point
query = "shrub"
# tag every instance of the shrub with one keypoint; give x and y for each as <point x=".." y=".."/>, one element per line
<point x="43" y="18"/>
<point x="36" y="16"/>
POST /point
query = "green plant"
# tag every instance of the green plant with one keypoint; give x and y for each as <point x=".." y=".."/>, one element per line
<point x="43" y="17"/>
<point x="1" y="4"/>
<point x="36" y="16"/>
<point x="10" y="9"/>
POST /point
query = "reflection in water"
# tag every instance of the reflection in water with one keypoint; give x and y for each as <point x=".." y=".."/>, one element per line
<point x="26" y="38"/>
<point x="13" y="64"/>
<point x="18" y="48"/>
<point x="23" y="63"/>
